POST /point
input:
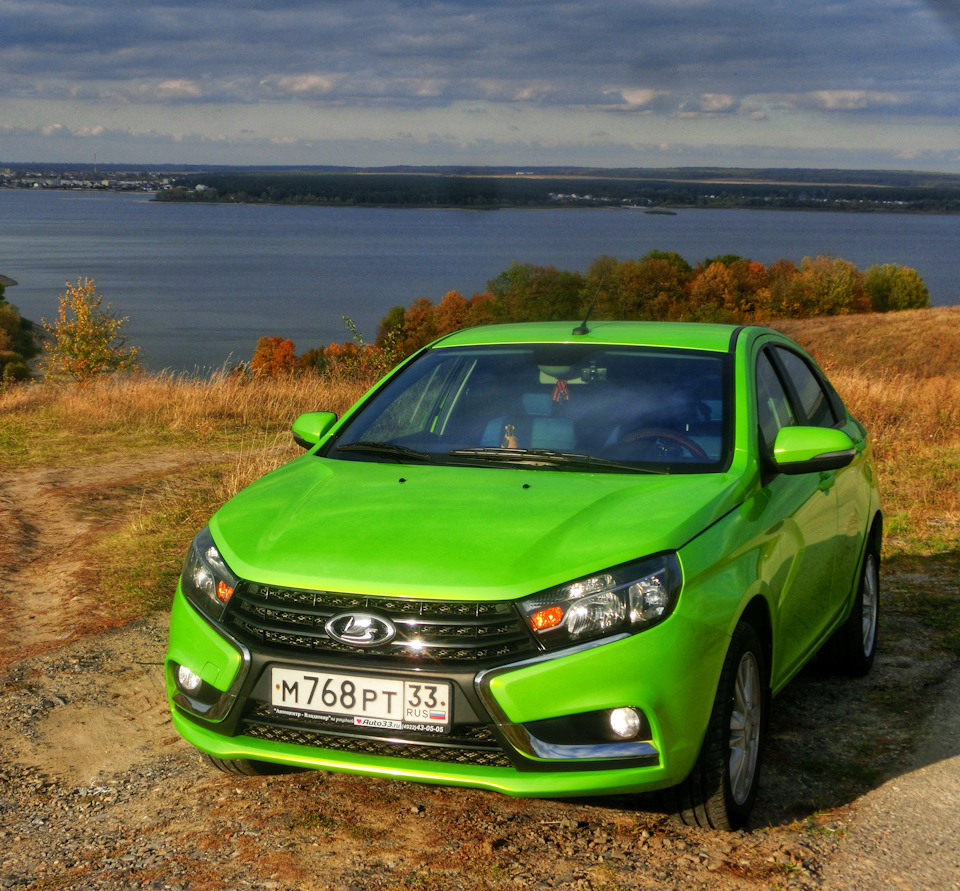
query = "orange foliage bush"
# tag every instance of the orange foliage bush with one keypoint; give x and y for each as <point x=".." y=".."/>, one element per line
<point x="274" y="357"/>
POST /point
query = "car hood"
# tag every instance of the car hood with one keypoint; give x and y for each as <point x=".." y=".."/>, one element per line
<point x="464" y="532"/>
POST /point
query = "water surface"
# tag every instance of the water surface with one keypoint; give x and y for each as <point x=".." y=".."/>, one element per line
<point x="201" y="283"/>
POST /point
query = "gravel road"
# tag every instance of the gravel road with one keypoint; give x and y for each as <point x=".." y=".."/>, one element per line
<point x="861" y="789"/>
<point x="906" y="833"/>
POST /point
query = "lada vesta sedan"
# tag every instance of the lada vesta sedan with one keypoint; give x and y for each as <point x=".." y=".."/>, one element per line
<point x="545" y="559"/>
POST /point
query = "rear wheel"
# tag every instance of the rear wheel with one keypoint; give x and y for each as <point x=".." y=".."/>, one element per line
<point x="852" y="648"/>
<point x="720" y="791"/>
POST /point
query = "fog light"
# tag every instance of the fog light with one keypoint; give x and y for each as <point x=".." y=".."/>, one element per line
<point x="625" y="722"/>
<point x="187" y="680"/>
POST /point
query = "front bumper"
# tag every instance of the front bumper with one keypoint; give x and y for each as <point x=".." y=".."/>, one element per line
<point x="668" y="674"/>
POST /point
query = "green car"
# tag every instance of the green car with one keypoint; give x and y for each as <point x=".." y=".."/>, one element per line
<point x="544" y="560"/>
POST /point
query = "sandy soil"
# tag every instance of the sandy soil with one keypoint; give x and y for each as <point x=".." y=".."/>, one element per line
<point x="98" y="791"/>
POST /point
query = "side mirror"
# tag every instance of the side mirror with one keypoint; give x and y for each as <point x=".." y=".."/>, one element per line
<point x="812" y="450"/>
<point x="311" y="426"/>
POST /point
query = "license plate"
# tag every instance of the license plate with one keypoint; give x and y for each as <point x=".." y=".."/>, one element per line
<point x="386" y="703"/>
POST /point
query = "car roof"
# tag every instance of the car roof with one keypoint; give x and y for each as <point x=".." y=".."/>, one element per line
<point x="686" y="335"/>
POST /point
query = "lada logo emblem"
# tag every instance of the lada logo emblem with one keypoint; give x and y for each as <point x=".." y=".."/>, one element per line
<point x="361" y="629"/>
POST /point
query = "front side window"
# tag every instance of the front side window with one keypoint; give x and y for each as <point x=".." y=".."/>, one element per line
<point x="773" y="406"/>
<point x="566" y="406"/>
<point x="814" y="400"/>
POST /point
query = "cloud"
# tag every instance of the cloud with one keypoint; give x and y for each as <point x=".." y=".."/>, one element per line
<point x="710" y="103"/>
<point x="394" y="51"/>
<point x="851" y="100"/>
<point x="177" y="89"/>
<point x="299" y="84"/>
<point x="283" y="71"/>
<point x="644" y="98"/>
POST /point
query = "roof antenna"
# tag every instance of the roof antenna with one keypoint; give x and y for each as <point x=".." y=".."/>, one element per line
<point x="582" y="328"/>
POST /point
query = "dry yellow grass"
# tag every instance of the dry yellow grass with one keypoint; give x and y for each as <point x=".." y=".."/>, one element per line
<point x="177" y="405"/>
<point x="899" y="373"/>
<point x="920" y="343"/>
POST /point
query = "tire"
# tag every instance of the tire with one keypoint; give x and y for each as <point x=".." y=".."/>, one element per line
<point x="246" y="767"/>
<point x="720" y="791"/>
<point x="852" y="648"/>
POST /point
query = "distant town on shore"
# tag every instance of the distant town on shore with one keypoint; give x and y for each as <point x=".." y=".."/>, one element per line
<point x="489" y="188"/>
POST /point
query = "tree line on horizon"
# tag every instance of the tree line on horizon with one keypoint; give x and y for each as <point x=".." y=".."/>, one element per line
<point x="85" y="340"/>
<point x="660" y="286"/>
<point x="493" y="188"/>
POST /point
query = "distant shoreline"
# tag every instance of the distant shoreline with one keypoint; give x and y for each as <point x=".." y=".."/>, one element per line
<point x="494" y="188"/>
<point x="839" y="206"/>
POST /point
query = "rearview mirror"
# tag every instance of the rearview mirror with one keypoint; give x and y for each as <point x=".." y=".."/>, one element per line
<point x="812" y="449"/>
<point x="311" y="426"/>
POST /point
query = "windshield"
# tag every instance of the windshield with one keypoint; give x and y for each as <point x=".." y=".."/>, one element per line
<point x="557" y="407"/>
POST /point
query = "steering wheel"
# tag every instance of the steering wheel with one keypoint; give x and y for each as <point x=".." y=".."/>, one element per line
<point x="666" y="439"/>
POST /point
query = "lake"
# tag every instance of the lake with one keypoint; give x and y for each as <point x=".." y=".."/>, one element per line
<point x="201" y="283"/>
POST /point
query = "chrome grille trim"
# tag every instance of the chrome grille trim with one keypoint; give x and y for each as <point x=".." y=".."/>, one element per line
<point x="447" y="631"/>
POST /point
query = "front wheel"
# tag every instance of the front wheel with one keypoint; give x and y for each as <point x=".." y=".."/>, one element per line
<point x="247" y="767"/>
<point x="720" y="791"/>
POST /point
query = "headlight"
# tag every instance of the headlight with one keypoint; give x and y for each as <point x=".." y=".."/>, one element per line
<point x="627" y="598"/>
<point x="206" y="580"/>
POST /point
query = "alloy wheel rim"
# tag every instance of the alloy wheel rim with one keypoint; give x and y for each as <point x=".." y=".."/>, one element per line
<point x="870" y="601"/>
<point x="745" y="728"/>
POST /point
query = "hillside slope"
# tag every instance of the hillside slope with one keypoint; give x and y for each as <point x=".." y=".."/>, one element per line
<point x="921" y="342"/>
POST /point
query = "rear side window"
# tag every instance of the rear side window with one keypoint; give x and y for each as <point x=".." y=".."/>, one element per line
<point x="814" y="400"/>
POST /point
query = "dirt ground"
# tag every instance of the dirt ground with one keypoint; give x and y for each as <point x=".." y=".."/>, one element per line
<point x="98" y="791"/>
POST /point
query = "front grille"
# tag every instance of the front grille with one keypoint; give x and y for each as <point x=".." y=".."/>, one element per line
<point x="473" y="744"/>
<point x="445" y="631"/>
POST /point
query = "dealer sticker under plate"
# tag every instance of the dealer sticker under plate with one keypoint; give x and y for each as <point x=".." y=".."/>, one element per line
<point x="387" y="703"/>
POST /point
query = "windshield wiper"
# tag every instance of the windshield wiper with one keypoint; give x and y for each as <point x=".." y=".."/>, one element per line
<point x="384" y="448"/>
<point x="549" y="456"/>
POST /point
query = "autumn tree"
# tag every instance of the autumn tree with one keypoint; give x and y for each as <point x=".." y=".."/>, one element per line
<point x="729" y="288"/>
<point x="85" y="341"/>
<point x="274" y="357"/>
<point x="892" y="287"/>
<point x="653" y="287"/>
<point x="528" y="293"/>
<point x="419" y="325"/>
<point x="391" y="327"/>
<point x="452" y="314"/>
<point x="784" y="288"/>
<point x="18" y="343"/>
<point x="713" y="294"/>
<point x="359" y="362"/>
<point x="831" y="287"/>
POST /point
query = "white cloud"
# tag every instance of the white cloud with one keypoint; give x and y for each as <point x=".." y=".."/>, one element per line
<point x="174" y="89"/>
<point x="854" y="100"/>
<point x="643" y="98"/>
<point x="300" y="84"/>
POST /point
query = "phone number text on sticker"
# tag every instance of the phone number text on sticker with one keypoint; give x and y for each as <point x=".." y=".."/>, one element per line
<point x="367" y="702"/>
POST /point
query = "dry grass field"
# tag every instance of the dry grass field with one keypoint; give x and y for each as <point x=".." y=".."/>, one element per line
<point x="899" y="373"/>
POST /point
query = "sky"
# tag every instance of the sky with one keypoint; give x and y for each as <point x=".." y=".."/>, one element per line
<point x="639" y="83"/>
